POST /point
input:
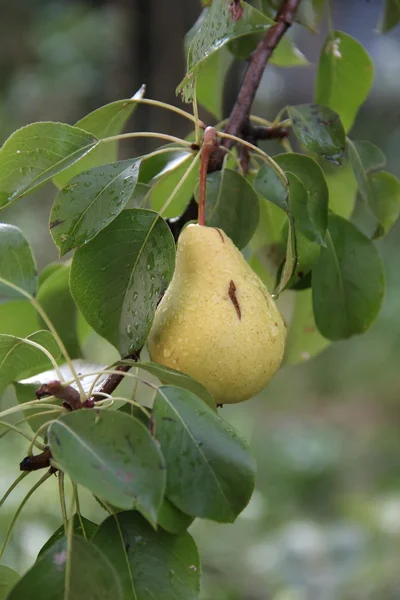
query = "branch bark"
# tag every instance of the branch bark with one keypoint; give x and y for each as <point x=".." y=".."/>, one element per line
<point x="258" y="61"/>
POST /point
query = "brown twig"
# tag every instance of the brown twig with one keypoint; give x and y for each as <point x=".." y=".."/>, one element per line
<point x="69" y="395"/>
<point x="252" y="133"/>
<point x="238" y="123"/>
<point x="36" y="462"/>
<point x="112" y="381"/>
<point x="55" y="388"/>
<point x="255" y="70"/>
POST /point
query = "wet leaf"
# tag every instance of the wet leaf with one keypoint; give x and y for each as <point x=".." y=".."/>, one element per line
<point x="55" y="298"/>
<point x="17" y="265"/>
<point x="46" y="580"/>
<point x="345" y="76"/>
<point x="304" y="340"/>
<point x="347" y="282"/>
<point x="202" y="450"/>
<point x="118" y="277"/>
<point x="232" y="205"/>
<point x="319" y="129"/>
<point x="106" y="121"/>
<point x="150" y="564"/>
<point x="113" y="455"/>
<point x="34" y="154"/>
<point x="89" y="202"/>
<point x="19" y="360"/>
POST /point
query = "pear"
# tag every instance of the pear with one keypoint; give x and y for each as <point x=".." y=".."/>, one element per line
<point x="217" y="322"/>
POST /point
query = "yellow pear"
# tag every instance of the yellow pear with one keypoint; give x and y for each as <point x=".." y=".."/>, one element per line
<point x="217" y="322"/>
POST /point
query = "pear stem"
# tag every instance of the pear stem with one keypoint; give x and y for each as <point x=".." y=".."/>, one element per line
<point x="208" y="147"/>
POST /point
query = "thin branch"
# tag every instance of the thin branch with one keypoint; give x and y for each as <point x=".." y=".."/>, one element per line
<point x="113" y="381"/>
<point x="69" y="395"/>
<point x="238" y="122"/>
<point x="258" y="62"/>
<point x="258" y="132"/>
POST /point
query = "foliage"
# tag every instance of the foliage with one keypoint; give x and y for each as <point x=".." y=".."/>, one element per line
<point x="156" y="466"/>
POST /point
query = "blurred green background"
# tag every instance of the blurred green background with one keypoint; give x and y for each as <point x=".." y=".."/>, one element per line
<point x="324" y="522"/>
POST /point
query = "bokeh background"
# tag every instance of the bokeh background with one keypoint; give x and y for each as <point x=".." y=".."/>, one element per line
<point x="324" y="522"/>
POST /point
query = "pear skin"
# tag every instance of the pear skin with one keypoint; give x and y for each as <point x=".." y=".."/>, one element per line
<point x="217" y="322"/>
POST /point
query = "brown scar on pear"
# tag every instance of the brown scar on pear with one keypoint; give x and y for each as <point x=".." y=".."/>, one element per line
<point x="233" y="297"/>
<point x="220" y="234"/>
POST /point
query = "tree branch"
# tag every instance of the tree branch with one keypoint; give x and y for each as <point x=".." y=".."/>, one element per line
<point x="252" y="133"/>
<point x="112" y="381"/>
<point x="258" y="62"/>
<point x="72" y="401"/>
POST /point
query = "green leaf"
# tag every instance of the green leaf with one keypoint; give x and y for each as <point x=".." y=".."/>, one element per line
<point x="380" y="192"/>
<point x="269" y="230"/>
<point x="157" y="164"/>
<point x="172" y="519"/>
<point x="211" y="77"/>
<point x="139" y="196"/>
<point x="342" y="187"/>
<point x="319" y="129"/>
<point x="290" y="262"/>
<point x="307" y="206"/>
<point x="89" y="528"/>
<point x="202" y="451"/>
<point x="106" y="121"/>
<point x="246" y="38"/>
<point x="90" y="202"/>
<point x="313" y="179"/>
<point x="90" y="575"/>
<point x="304" y="340"/>
<point x="55" y="298"/>
<point x="360" y="174"/>
<point x="165" y="184"/>
<point x="232" y="205"/>
<point x="137" y="413"/>
<point x="371" y="156"/>
<point x="309" y="12"/>
<point x="307" y="254"/>
<point x="386" y="193"/>
<point x="347" y="282"/>
<point x="172" y="377"/>
<point x="19" y="359"/>
<point x="390" y="16"/>
<point x="119" y="276"/>
<point x="18" y="317"/>
<point x="17" y="265"/>
<point x="150" y="564"/>
<point x="345" y="76"/>
<point x="271" y="183"/>
<point x="113" y="455"/>
<point x="8" y="578"/>
<point x="300" y="210"/>
<point x="36" y="153"/>
<point x="218" y="29"/>
<point x="210" y="82"/>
